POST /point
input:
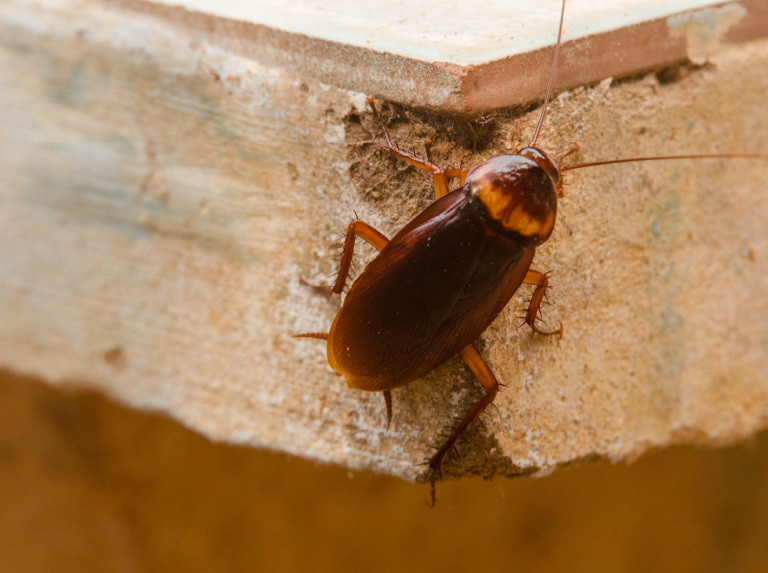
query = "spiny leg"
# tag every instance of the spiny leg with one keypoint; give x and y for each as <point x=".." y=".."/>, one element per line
<point x="542" y="282"/>
<point x="355" y="229"/>
<point x="370" y="235"/>
<point x="479" y="367"/>
<point x="438" y="175"/>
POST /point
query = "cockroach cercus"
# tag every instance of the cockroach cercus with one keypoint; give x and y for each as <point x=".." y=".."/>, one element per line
<point x="444" y="277"/>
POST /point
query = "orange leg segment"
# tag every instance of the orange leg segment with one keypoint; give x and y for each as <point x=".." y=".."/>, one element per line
<point x="438" y="174"/>
<point x="356" y="228"/>
<point x="479" y="367"/>
<point x="542" y="282"/>
<point x="460" y="172"/>
<point x="370" y="235"/>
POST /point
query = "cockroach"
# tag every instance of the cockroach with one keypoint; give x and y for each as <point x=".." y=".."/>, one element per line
<point x="444" y="277"/>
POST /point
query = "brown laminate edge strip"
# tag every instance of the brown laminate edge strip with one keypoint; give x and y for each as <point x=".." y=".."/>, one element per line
<point x="446" y="87"/>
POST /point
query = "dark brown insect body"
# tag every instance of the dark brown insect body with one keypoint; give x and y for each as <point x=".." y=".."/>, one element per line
<point x="444" y="277"/>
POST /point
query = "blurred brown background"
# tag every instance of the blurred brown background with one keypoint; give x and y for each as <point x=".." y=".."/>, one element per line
<point x="87" y="485"/>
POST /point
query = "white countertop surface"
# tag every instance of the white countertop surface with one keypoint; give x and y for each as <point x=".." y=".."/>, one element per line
<point x="444" y="31"/>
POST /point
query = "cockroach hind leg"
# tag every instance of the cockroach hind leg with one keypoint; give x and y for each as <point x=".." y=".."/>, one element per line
<point x="433" y="499"/>
<point x="434" y="475"/>
<point x="490" y="384"/>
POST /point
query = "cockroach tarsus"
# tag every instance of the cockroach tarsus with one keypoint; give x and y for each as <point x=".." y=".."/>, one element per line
<point x="444" y="277"/>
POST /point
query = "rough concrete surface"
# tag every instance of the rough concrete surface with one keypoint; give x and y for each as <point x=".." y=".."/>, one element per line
<point x="160" y="197"/>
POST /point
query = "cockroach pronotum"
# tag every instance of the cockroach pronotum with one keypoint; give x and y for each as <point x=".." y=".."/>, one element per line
<point x="442" y="279"/>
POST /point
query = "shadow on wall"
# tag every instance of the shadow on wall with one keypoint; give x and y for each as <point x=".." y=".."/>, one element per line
<point x="88" y="485"/>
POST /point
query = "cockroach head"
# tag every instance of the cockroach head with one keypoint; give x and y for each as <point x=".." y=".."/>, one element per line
<point x="520" y="192"/>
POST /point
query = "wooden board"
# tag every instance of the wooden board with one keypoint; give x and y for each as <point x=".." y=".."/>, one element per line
<point x="454" y="57"/>
<point x="161" y="194"/>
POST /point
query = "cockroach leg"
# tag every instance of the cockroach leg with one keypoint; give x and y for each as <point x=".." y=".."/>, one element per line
<point x="479" y="367"/>
<point x="321" y="335"/>
<point x="439" y="178"/>
<point x="542" y="282"/>
<point x="324" y="289"/>
<point x="355" y="229"/>
<point x="438" y="174"/>
<point x="370" y="235"/>
<point x="516" y="137"/>
<point x="388" y="401"/>
<point x="460" y="172"/>
<point x="572" y="148"/>
<point x="428" y="149"/>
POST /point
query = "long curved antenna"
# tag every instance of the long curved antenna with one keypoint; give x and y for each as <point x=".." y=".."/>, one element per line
<point x="551" y="78"/>
<point x="664" y="157"/>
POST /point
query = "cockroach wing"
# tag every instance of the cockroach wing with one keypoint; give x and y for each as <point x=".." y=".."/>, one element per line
<point x="430" y="292"/>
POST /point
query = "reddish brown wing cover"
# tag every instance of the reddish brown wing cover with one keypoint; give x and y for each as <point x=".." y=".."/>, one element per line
<point x="431" y="291"/>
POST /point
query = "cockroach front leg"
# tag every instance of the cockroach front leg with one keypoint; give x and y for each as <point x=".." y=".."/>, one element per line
<point x="542" y="282"/>
<point x="572" y="148"/>
<point x="438" y="174"/>
<point x="479" y="367"/>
